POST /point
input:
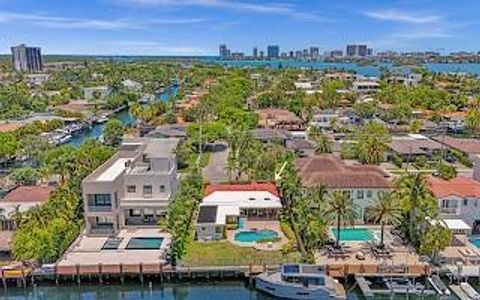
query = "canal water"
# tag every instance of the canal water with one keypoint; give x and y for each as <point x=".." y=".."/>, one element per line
<point x="124" y="116"/>
<point x="227" y="290"/>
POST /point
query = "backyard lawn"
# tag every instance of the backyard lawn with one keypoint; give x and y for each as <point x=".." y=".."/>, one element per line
<point x="224" y="253"/>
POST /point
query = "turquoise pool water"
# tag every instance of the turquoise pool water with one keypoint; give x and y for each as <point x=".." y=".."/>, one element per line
<point x="476" y="242"/>
<point x="354" y="234"/>
<point x="255" y="235"/>
<point x="144" y="243"/>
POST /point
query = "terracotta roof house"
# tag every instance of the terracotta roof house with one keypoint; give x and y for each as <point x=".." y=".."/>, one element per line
<point x="458" y="198"/>
<point x="236" y="204"/>
<point x="470" y="147"/>
<point x="362" y="182"/>
<point x="22" y="198"/>
<point x="278" y="118"/>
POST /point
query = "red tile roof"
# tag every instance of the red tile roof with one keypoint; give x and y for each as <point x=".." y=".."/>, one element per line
<point x="28" y="194"/>
<point x="241" y="187"/>
<point x="460" y="186"/>
<point x="332" y="172"/>
<point x="9" y="127"/>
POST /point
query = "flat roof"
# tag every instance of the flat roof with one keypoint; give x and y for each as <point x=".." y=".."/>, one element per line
<point x="113" y="171"/>
<point x="456" y="224"/>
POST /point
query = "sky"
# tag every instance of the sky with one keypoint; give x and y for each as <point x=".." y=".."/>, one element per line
<point x="197" y="27"/>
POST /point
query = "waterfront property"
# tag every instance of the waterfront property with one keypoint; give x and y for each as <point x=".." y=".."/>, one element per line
<point x="458" y="198"/>
<point x="233" y="206"/>
<point x="364" y="183"/>
<point x="147" y="246"/>
<point x="133" y="188"/>
<point x="20" y="200"/>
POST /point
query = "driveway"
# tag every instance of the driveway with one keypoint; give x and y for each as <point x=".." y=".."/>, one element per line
<point x="216" y="171"/>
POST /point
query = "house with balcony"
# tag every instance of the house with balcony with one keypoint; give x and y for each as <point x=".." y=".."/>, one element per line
<point x="364" y="183"/>
<point x="458" y="199"/>
<point x="133" y="188"/>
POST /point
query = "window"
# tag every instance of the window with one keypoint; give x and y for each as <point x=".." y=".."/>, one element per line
<point x="99" y="200"/>
<point x="369" y="194"/>
<point x="267" y="199"/>
<point x="135" y="213"/>
<point x="465" y="202"/>
<point x="359" y="194"/>
<point x="131" y="189"/>
<point x="218" y="229"/>
<point x="204" y="229"/>
<point x="162" y="189"/>
<point x="147" y="189"/>
<point x="251" y="199"/>
<point x="475" y="203"/>
<point x="104" y="221"/>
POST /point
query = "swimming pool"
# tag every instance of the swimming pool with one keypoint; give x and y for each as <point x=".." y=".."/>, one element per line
<point x="251" y="236"/>
<point x="354" y="234"/>
<point x="475" y="241"/>
<point x="144" y="243"/>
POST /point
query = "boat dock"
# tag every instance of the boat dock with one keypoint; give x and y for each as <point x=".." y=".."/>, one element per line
<point x="364" y="287"/>
<point x="457" y="290"/>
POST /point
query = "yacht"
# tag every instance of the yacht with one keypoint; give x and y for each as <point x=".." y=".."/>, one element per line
<point x="300" y="281"/>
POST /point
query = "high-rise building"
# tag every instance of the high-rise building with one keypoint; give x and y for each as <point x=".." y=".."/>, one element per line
<point x="255" y="53"/>
<point x="357" y="50"/>
<point x="369" y="52"/>
<point x="306" y="54"/>
<point x="27" y="59"/>
<point x="291" y="54"/>
<point x="262" y="55"/>
<point x="314" y="53"/>
<point x="273" y="51"/>
<point x="223" y="51"/>
<point x="298" y="54"/>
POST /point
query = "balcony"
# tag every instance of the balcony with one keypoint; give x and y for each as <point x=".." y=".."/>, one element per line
<point x="449" y="210"/>
<point x="100" y="208"/>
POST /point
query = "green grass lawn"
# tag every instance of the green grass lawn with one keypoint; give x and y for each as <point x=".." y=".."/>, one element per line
<point x="223" y="253"/>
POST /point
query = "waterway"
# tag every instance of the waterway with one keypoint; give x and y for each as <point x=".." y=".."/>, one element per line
<point x="366" y="70"/>
<point x="124" y="116"/>
<point x="231" y="290"/>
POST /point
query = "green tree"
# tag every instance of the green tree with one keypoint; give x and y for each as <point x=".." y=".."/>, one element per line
<point x="435" y="239"/>
<point x="26" y="176"/>
<point x="372" y="141"/>
<point x="386" y="210"/>
<point x="323" y="143"/>
<point x="446" y="171"/>
<point x="113" y="132"/>
<point x="340" y="206"/>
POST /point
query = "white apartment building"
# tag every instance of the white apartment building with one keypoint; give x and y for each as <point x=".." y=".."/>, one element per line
<point x="133" y="188"/>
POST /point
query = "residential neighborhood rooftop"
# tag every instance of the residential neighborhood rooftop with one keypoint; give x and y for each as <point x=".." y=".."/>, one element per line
<point x="469" y="146"/>
<point x="28" y="194"/>
<point x="332" y="172"/>
<point x="460" y="186"/>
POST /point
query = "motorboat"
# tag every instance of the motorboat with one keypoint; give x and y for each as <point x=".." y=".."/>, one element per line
<point x="300" y="281"/>
<point x="469" y="291"/>
<point x="403" y="285"/>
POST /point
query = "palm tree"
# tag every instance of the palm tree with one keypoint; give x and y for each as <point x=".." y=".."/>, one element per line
<point x="341" y="206"/>
<point x="323" y="143"/>
<point x="386" y="211"/>
<point x="414" y="196"/>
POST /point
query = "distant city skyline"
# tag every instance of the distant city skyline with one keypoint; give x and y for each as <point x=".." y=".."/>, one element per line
<point x="197" y="27"/>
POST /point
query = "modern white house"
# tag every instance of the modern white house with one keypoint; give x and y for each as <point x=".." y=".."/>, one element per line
<point x="324" y="118"/>
<point x="365" y="87"/>
<point x="132" y="85"/>
<point x="364" y="183"/>
<point x="96" y="93"/>
<point x="458" y="198"/>
<point x="133" y="188"/>
<point x="235" y="204"/>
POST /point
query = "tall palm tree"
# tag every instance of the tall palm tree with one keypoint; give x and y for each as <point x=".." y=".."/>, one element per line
<point x="341" y="206"/>
<point x="323" y="143"/>
<point x="386" y="211"/>
<point x="415" y="197"/>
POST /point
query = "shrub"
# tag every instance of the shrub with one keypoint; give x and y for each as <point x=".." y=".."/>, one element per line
<point x="446" y="171"/>
<point x="397" y="160"/>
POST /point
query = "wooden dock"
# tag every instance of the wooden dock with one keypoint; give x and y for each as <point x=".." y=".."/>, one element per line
<point x="364" y="286"/>
<point x="457" y="290"/>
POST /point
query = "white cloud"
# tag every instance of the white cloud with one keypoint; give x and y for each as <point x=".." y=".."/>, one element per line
<point x="403" y="16"/>
<point x="271" y="8"/>
<point x="76" y="23"/>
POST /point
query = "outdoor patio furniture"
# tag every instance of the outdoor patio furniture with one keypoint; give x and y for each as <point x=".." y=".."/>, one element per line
<point x="360" y="255"/>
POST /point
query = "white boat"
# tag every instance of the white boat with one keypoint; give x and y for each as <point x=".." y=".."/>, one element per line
<point x="299" y="281"/>
<point x="102" y="119"/>
<point x="438" y="285"/>
<point x="403" y="285"/>
<point x="469" y="291"/>
<point x="65" y="139"/>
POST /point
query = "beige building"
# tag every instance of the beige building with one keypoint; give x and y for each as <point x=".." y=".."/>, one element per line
<point x="133" y="188"/>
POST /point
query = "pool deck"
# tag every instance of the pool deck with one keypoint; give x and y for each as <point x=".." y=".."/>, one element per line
<point x="401" y="261"/>
<point x="88" y="250"/>
<point x="267" y="225"/>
